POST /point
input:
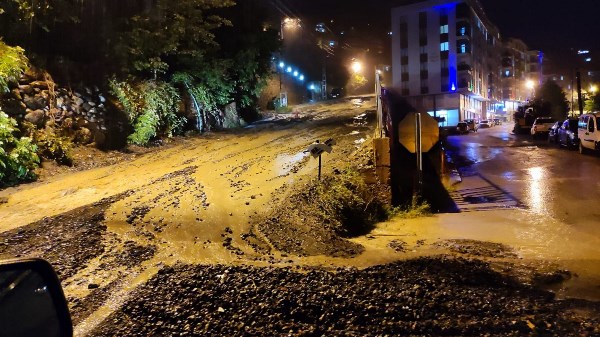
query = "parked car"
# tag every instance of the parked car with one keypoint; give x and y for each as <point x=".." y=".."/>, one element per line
<point x="553" y="132"/>
<point x="541" y="126"/>
<point x="462" y="128"/>
<point x="497" y="121"/>
<point x="568" y="135"/>
<point x="472" y="124"/>
<point x="484" y="124"/>
<point x="336" y="93"/>
<point x="588" y="132"/>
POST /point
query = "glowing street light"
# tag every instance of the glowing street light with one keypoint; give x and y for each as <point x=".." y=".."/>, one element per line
<point x="291" y="24"/>
<point x="301" y="77"/>
<point x="593" y="89"/>
<point x="356" y="67"/>
<point x="530" y="84"/>
<point x="296" y="73"/>
<point x="281" y="65"/>
<point x="289" y="69"/>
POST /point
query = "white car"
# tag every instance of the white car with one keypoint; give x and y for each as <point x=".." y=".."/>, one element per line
<point x="587" y="130"/>
<point x="541" y="126"/>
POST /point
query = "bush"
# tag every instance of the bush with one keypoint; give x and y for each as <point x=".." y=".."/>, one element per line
<point x="12" y="64"/>
<point x="50" y="145"/>
<point x="54" y="147"/>
<point x="345" y="203"/>
<point x="151" y="107"/>
<point x="18" y="157"/>
<point x="418" y="208"/>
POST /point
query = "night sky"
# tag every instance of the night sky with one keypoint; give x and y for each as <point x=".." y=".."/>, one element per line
<point x="553" y="26"/>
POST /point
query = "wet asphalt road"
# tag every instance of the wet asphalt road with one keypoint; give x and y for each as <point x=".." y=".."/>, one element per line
<point x="546" y="179"/>
<point x="534" y="196"/>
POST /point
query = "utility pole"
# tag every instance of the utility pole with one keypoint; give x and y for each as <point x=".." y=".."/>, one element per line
<point x="379" y="103"/>
<point x="324" y="79"/>
<point x="578" y="75"/>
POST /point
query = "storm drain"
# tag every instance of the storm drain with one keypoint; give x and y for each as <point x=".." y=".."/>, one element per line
<point x="483" y="198"/>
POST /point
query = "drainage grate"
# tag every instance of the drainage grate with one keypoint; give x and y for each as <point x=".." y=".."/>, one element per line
<point x="483" y="198"/>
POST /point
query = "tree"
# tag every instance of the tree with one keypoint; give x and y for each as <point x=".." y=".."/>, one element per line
<point x="551" y="101"/>
<point x="593" y="104"/>
<point x="170" y="33"/>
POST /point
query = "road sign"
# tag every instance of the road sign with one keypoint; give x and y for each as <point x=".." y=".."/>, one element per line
<point x="317" y="149"/>
<point x="430" y="132"/>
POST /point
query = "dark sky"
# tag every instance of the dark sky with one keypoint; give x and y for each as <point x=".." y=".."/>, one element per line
<point x="549" y="25"/>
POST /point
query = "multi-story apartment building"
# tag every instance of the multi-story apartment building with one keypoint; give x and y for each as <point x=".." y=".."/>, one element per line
<point x="446" y="58"/>
<point x="521" y="72"/>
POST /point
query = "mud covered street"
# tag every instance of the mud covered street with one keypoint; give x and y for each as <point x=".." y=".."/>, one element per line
<point x="207" y="236"/>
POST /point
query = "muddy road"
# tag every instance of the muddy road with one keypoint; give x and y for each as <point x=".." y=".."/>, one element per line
<point x="108" y="230"/>
<point x="169" y="243"/>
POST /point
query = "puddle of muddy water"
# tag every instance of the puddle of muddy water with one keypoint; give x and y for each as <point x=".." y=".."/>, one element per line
<point x="286" y="163"/>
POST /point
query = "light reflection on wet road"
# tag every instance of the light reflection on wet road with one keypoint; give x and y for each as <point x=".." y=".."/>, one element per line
<point x="560" y="192"/>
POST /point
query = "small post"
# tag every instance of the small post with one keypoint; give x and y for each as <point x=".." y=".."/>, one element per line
<point x="319" y="167"/>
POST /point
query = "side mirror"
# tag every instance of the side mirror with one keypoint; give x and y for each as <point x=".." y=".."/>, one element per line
<point x="32" y="302"/>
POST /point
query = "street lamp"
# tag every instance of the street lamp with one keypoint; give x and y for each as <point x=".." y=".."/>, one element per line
<point x="290" y="23"/>
<point x="593" y="89"/>
<point x="356" y="67"/>
<point x="530" y="84"/>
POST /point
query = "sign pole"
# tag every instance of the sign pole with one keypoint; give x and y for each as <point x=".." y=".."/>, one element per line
<point x="419" y="151"/>
<point x="319" y="167"/>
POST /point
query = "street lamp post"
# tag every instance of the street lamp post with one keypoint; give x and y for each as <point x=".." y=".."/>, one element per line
<point x="530" y="84"/>
<point x="379" y="103"/>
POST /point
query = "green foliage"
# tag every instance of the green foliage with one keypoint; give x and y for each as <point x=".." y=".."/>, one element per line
<point x="18" y="157"/>
<point x="417" y="209"/>
<point x="151" y="49"/>
<point x="54" y="147"/>
<point x="357" y="81"/>
<point x="40" y="13"/>
<point x="208" y="84"/>
<point x="151" y="107"/>
<point x="551" y="100"/>
<point x="250" y="50"/>
<point x="345" y="203"/>
<point x="593" y="104"/>
<point x="12" y="64"/>
<point x="50" y="145"/>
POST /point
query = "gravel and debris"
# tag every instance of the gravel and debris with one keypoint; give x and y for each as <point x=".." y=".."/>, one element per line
<point x="478" y="248"/>
<point x="427" y="296"/>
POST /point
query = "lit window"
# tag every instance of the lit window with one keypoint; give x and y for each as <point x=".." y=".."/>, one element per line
<point x="463" y="31"/>
<point x="444" y="29"/>
<point x="444" y="46"/>
<point x="562" y="78"/>
<point x="463" y="48"/>
<point x="507" y="73"/>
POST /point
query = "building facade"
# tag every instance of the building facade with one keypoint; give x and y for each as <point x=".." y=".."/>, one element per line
<point x="448" y="60"/>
